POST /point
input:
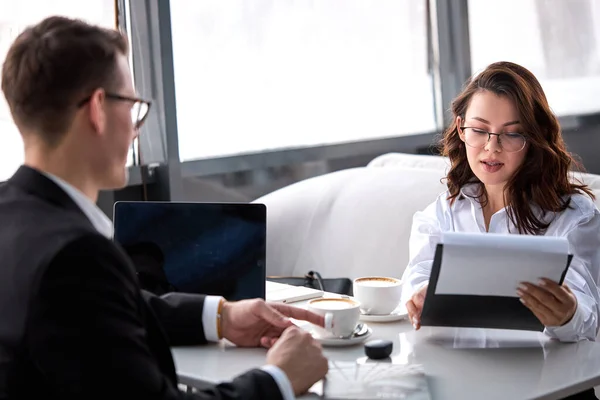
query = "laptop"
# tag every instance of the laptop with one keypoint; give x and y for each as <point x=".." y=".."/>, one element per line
<point x="205" y="248"/>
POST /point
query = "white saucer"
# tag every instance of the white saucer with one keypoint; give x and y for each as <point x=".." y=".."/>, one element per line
<point x="339" y="342"/>
<point x="395" y="315"/>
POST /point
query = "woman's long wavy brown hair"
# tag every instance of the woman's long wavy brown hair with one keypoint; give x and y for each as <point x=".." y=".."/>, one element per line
<point x="543" y="178"/>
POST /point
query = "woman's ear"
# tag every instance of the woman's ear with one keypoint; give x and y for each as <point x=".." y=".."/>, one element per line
<point x="461" y="133"/>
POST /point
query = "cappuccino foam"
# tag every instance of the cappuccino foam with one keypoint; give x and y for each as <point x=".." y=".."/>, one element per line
<point x="333" y="304"/>
<point x="377" y="282"/>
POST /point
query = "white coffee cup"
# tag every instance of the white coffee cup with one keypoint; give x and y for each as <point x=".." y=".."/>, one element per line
<point x="341" y="314"/>
<point x="377" y="295"/>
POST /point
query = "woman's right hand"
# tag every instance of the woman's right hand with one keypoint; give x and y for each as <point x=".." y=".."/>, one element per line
<point x="415" y="306"/>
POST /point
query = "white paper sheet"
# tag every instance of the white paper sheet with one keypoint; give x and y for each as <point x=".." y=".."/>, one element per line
<point x="495" y="264"/>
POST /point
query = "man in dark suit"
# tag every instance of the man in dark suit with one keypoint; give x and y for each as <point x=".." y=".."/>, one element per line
<point x="75" y="324"/>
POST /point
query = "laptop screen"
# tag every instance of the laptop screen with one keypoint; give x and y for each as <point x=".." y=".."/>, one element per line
<point x="206" y="248"/>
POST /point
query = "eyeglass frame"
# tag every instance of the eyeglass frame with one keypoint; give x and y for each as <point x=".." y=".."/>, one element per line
<point x="134" y="100"/>
<point x="462" y="128"/>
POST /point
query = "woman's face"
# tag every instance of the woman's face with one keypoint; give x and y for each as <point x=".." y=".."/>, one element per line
<point x="493" y="161"/>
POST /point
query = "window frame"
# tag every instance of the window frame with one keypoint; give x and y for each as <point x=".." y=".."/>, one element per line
<point x="159" y="177"/>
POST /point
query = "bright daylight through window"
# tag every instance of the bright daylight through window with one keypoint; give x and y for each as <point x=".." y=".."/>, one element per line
<point x="559" y="41"/>
<point x="255" y="75"/>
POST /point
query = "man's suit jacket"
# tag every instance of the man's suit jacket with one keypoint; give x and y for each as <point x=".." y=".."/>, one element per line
<point x="74" y="323"/>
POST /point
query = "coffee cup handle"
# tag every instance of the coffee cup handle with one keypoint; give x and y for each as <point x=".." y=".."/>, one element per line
<point x="329" y="321"/>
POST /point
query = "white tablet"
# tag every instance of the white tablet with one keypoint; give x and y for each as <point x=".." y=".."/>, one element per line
<point x="281" y="293"/>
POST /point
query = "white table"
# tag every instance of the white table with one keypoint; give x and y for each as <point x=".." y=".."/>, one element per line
<point x="459" y="363"/>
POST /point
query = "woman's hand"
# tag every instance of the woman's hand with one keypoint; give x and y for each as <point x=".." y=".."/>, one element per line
<point x="415" y="306"/>
<point x="551" y="303"/>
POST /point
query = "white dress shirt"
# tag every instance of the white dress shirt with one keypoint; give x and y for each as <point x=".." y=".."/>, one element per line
<point x="211" y="303"/>
<point x="579" y="224"/>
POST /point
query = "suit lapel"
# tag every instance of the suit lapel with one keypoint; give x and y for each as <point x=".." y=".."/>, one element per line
<point x="35" y="183"/>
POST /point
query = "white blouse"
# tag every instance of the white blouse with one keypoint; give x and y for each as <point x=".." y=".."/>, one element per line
<point x="580" y="224"/>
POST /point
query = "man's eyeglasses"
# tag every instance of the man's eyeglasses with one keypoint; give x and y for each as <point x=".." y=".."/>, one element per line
<point x="139" y="109"/>
<point x="510" y="142"/>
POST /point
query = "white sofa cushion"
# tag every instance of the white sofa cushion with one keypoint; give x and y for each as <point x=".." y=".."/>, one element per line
<point x="348" y="223"/>
<point x="411" y="161"/>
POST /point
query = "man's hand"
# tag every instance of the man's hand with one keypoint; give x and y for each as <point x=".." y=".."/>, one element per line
<point x="300" y="357"/>
<point x="551" y="303"/>
<point x="415" y="306"/>
<point x="251" y="323"/>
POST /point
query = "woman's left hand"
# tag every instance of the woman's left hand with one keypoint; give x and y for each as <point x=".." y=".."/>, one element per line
<point x="551" y="303"/>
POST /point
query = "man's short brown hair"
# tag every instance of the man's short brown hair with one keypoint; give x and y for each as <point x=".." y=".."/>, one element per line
<point x="52" y="66"/>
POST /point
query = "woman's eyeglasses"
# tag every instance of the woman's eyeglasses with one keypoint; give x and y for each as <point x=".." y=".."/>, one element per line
<point x="510" y="142"/>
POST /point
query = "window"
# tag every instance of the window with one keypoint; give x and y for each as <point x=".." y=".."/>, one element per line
<point x="255" y="75"/>
<point x="559" y="41"/>
<point x="16" y="16"/>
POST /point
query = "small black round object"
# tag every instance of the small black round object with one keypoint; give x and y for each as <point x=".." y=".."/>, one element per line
<point x="378" y="349"/>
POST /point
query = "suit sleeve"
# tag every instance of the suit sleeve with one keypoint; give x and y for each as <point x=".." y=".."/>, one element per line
<point x="87" y="336"/>
<point x="180" y="314"/>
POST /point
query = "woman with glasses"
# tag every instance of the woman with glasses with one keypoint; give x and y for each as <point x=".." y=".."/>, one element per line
<point x="509" y="173"/>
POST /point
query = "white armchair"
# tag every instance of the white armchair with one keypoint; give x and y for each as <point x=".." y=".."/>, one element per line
<point x="348" y="223"/>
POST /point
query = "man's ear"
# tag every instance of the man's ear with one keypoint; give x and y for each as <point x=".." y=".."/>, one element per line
<point x="461" y="133"/>
<point x="97" y="111"/>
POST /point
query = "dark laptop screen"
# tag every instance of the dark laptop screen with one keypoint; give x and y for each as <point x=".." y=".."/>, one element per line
<point x="205" y="248"/>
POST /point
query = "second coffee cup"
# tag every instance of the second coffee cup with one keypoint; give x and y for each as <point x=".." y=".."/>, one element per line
<point x="377" y="295"/>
